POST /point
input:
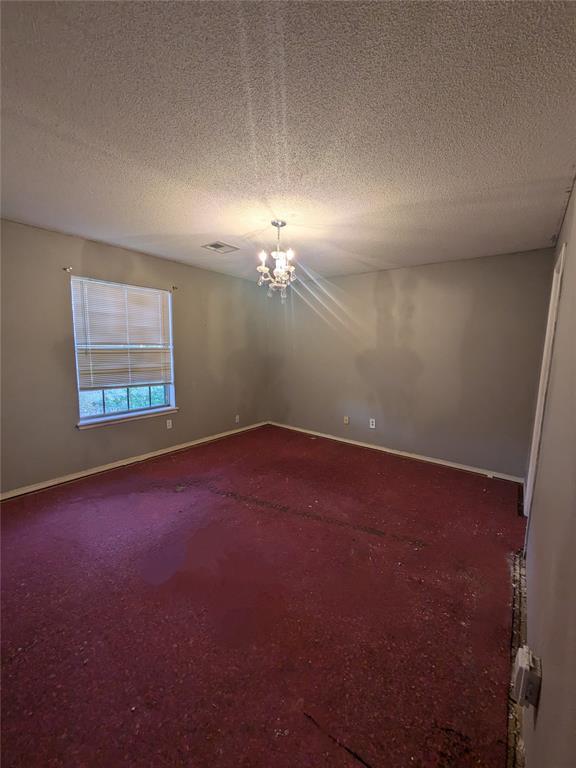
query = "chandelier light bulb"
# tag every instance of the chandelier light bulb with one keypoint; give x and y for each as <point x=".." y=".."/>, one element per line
<point x="263" y="256"/>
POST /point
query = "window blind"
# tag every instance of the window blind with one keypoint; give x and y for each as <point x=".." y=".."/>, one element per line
<point x="122" y="333"/>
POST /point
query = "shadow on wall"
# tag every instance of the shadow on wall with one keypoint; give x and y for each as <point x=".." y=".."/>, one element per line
<point x="444" y="356"/>
<point x="454" y="369"/>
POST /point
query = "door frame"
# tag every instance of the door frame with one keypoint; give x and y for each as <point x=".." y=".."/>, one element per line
<point x="544" y="380"/>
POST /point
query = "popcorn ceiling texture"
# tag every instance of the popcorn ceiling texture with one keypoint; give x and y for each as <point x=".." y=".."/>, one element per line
<point x="388" y="134"/>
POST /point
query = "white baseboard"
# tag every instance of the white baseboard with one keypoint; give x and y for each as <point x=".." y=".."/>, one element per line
<point x="453" y="464"/>
<point x="210" y="438"/>
<point x="124" y="462"/>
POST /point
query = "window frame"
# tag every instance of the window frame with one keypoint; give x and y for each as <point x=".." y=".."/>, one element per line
<point x="118" y="417"/>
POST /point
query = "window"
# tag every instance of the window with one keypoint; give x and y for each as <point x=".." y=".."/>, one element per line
<point x="123" y="339"/>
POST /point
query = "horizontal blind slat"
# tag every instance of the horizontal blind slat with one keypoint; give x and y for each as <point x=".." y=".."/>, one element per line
<point x="122" y="334"/>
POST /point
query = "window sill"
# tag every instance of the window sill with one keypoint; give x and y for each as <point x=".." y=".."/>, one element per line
<point x="103" y="421"/>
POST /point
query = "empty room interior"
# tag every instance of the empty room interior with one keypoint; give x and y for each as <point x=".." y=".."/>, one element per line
<point x="288" y="384"/>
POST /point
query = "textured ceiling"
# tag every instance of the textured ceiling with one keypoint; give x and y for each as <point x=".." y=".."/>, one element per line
<point x="387" y="134"/>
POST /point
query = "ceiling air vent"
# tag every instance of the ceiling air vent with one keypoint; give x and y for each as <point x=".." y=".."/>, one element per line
<point x="220" y="247"/>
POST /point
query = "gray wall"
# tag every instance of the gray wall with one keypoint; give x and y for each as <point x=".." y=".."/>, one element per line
<point x="551" y="549"/>
<point x="444" y="356"/>
<point x="218" y="355"/>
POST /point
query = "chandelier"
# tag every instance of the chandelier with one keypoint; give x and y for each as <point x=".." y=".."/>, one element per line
<point x="283" y="273"/>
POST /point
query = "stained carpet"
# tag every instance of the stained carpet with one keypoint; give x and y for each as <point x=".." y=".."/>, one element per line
<point x="267" y="600"/>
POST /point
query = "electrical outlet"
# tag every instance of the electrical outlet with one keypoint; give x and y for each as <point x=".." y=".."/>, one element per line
<point x="237" y="418"/>
<point x="168" y="423"/>
<point x="346" y="419"/>
<point x="372" y="423"/>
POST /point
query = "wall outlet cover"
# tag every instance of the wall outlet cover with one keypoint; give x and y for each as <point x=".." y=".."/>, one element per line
<point x="237" y="418"/>
<point x="526" y="677"/>
<point x="372" y="423"/>
<point x="168" y="423"/>
<point x="346" y="419"/>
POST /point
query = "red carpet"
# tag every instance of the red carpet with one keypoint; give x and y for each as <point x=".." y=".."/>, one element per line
<point x="270" y="600"/>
